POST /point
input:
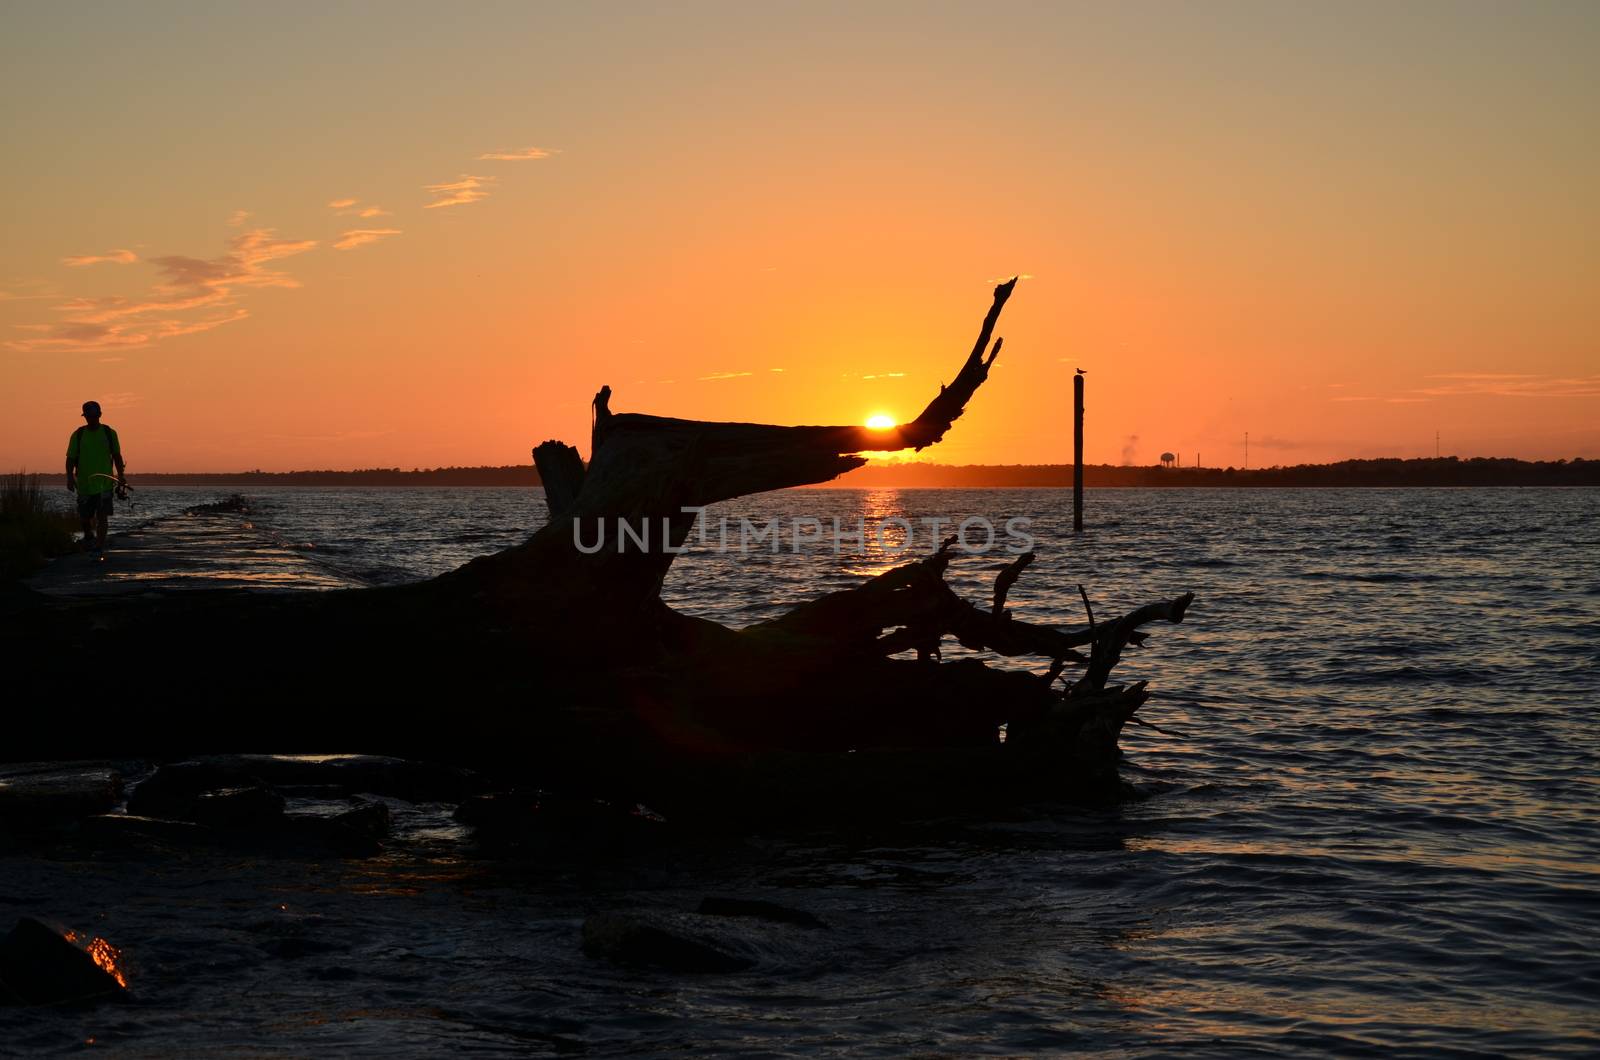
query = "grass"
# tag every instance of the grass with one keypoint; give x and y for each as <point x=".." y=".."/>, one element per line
<point x="30" y="530"/>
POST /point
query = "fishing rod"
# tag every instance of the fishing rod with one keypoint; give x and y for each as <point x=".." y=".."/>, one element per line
<point x="123" y="488"/>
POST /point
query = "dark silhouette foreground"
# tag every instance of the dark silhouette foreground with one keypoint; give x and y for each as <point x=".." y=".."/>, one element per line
<point x="565" y="669"/>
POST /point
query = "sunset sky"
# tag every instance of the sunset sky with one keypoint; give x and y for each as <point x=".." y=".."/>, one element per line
<point x="336" y="236"/>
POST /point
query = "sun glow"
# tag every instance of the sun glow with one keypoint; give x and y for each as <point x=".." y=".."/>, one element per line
<point x="881" y="421"/>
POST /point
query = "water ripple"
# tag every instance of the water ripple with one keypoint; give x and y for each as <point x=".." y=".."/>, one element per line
<point x="1375" y="835"/>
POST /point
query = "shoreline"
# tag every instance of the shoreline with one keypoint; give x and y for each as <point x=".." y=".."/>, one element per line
<point x="1388" y="473"/>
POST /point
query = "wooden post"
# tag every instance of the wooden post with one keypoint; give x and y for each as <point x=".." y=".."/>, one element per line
<point x="1077" y="453"/>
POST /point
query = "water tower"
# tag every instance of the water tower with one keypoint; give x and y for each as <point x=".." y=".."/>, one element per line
<point x="1167" y="459"/>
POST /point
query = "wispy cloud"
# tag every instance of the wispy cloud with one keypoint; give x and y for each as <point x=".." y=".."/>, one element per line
<point x="1003" y="279"/>
<point x="885" y="375"/>
<point x="159" y="300"/>
<point x="1511" y="384"/>
<point x="1483" y="375"/>
<point x="355" y="208"/>
<point x="526" y="154"/>
<point x="110" y="257"/>
<point x="243" y="266"/>
<point x="723" y="375"/>
<point x="119" y="399"/>
<point x="459" y="192"/>
<point x="360" y="237"/>
<point x="185" y="286"/>
<point x="237" y="218"/>
<point x="125" y="335"/>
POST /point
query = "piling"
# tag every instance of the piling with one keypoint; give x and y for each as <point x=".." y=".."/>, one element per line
<point x="1077" y="453"/>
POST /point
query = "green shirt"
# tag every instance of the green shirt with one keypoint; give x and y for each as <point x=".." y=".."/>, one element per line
<point x="91" y="451"/>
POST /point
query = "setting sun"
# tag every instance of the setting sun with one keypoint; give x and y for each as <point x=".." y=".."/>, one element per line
<point x="881" y="421"/>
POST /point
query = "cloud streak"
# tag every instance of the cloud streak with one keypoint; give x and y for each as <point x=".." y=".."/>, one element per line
<point x="88" y="338"/>
<point x="360" y="237"/>
<point x="1511" y="384"/>
<point x="110" y="257"/>
<point x="354" y="208"/>
<point x="526" y="154"/>
<point x="468" y="189"/>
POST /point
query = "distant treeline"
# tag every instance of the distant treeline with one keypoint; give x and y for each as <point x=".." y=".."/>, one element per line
<point x="1446" y="471"/>
<point x="374" y="476"/>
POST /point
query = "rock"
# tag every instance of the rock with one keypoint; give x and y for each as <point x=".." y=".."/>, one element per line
<point x="291" y="835"/>
<point x="497" y="809"/>
<point x="174" y="790"/>
<point x="120" y="831"/>
<point x="760" y="910"/>
<point x="45" y="963"/>
<point x="399" y="778"/>
<point x="370" y="819"/>
<point x="321" y="792"/>
<point x="679" y="942"/>
<point x="239" y="808"/>
<point x="37" y="796"/>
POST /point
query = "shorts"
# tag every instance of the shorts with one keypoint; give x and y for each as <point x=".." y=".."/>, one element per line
<point x="93" y="504"/>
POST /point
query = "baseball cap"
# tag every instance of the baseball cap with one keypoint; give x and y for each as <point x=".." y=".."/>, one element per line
<point x="91" y="405"/>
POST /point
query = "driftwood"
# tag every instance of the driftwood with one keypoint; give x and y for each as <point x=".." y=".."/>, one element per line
<point x="562" y="662"/>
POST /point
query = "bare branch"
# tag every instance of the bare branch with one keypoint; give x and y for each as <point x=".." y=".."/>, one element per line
<point x="1006" y="579"/>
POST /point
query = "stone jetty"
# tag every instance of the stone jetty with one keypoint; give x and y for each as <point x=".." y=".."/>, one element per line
<point x="210" y="547"/>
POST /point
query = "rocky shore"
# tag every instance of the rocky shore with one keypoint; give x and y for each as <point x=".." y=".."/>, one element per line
<point x="316" y="810"/>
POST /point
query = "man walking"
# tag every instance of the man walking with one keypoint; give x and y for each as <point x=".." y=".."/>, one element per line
<point x="91" y="453"/>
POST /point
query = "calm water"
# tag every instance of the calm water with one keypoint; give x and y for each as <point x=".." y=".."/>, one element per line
<point x="1377" y="831"/>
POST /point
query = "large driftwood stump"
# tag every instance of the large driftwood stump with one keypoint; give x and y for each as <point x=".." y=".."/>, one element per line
<point x="563" y="664"/>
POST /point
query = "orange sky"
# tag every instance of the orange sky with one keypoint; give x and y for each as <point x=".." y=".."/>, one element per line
<point x="372" y="236"/>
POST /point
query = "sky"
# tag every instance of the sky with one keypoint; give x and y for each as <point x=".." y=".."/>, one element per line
<point x="286" y="236"/>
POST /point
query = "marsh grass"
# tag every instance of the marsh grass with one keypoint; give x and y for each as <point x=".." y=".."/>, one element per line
<point x="31" y="531"/>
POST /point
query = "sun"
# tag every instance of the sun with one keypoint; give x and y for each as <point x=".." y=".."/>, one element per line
<point x="881" y="421"/>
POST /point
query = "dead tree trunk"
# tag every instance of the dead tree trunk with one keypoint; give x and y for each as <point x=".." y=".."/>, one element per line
<point x="559" y="660"/>
<point x="825" y="676"/>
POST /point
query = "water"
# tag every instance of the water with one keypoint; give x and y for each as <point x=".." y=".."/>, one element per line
<point x="1376" y="833"/>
